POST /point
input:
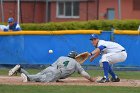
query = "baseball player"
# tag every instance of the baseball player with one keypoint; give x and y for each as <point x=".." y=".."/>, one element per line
<point x="2" y="27"/>
<point x="62" y="68"/>
<point x="12" y="25"/>
<point x="111" y="53"/>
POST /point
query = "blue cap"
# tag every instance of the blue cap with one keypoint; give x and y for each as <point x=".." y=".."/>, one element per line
<point x="10" y="20"/>
<point x="93" y="36"/>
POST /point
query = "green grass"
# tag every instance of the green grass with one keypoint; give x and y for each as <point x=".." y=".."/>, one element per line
<point x="93" y="73"/>
<point x="66" y="89"/>
<point x="72" y="89"/>
<point x="121" y="74"/>
<point x="129" y="74"/>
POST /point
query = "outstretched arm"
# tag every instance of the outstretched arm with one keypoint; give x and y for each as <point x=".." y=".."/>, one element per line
<point x="87" y="76"/>
<point x="84" y="73"/>
<point x="94" y="54"/>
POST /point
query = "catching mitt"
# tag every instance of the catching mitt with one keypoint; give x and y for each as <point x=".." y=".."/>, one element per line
<point x="81" y="58"/>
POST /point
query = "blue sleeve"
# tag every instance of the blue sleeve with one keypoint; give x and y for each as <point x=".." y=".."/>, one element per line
<point x="5" y="29"/>
<point x="17" y="29"/>
<point x="101" y="47"/>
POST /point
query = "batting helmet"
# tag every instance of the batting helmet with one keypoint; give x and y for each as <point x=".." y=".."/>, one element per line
<point x="10" y="20"/>
<point x="93" y="36"/>
<point x="72" y="54"/>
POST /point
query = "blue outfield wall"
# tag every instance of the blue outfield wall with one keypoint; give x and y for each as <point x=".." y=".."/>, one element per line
<point x="132" y="46"/>
<point x="33" y="49"/>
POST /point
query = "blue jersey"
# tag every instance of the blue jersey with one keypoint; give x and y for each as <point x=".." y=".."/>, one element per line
<point x="14" y="27"/>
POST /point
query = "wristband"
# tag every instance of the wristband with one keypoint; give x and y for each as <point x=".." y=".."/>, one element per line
<point x="91" y="54"/>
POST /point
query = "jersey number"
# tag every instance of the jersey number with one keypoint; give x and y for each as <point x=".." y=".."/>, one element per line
<point x="65" y="63"/>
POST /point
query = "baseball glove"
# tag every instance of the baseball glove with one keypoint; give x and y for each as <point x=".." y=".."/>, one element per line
<point x="81" y="58"/>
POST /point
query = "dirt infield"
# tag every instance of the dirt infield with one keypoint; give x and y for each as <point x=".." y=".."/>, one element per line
<point x="16" y="80"/>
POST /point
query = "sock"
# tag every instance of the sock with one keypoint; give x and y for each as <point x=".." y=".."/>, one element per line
<point x="111" y="72"/>
<point x="106" y="69"/>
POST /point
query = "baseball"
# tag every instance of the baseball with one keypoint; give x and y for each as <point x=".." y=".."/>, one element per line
<point x="50" y="51"/>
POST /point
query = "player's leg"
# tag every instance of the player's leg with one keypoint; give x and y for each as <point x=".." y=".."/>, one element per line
<point x="18" y="69"/>
<point x="27" y="77"/>
<point x="14" y="70"/>
<point x="32" y="78"/>
<point x="50" y="74"/>
<point x="47" y="77"/>
<point x="105" y="64"/>
<point x="114" y="78"/>
<point x="106" y="70"/>
<point x="115" y="58"/>
<point x="24" y="77"/>
<point x="111" y="72"/>
<point x="21" y="70"/>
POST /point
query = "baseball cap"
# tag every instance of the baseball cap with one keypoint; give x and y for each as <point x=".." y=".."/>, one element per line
<point x="93" y="36"/>
<point x="10" y="20"/>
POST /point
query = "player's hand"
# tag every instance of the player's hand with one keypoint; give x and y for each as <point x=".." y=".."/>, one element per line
<point x="89" y="54"/>
<point x="92" y="79"/>
<point x="91" y="59"/>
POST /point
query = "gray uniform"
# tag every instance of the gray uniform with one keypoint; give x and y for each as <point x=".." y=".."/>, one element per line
<point x="62" y="68"/>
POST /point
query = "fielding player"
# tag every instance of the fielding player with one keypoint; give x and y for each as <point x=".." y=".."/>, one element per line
<point x="62" y="68"/>
<point x="111" y="53"/>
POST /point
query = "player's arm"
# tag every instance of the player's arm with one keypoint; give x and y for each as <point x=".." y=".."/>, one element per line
<point x="17" y="28"/>
<point x="96" y="52"/>
<point x="87" y="76"/>
<point x="4" y="28"/>
<point x="83" y="72"/>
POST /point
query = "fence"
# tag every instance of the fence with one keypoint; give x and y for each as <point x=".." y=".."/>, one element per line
<point x="28" y="47"/>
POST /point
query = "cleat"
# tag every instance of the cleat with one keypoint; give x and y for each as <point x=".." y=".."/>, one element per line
<point x="14" y="70"/>
<point x="24" y="77"/>
<point x="103" y="80"/>
<point x="115" y="80"/>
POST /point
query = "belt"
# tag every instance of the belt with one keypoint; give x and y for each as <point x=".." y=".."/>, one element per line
<point x="122" y="50"/>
